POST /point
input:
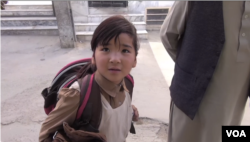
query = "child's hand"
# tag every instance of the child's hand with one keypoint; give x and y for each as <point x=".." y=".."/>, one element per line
<point x="136" y="114"/>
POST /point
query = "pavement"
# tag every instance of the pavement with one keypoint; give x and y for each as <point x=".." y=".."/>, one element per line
<point x="29" y="63"/>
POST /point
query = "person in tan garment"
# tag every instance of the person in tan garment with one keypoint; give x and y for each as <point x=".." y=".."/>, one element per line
<point x="210" y="45"/>
<point x="115" y="47"/>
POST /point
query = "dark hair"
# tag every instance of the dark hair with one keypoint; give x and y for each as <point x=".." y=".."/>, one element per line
<point x="110" y="28"/>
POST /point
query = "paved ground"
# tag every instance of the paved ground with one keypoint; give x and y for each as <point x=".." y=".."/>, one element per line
<point x="149" y="130"/>
<point x="28" y="64"/>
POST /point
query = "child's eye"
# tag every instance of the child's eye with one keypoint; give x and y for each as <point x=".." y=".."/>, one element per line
<point x="125" y="51"/>
<point x="105" y="49"/>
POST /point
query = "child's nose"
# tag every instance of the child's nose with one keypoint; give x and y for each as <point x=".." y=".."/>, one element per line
<point x="115" y="58"/>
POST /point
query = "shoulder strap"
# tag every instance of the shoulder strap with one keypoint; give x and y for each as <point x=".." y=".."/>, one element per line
<point x="129" y="81"/>
<point x="85" y="85"/>
<point x="96" y="105"/>
<point x="89" y="112"/>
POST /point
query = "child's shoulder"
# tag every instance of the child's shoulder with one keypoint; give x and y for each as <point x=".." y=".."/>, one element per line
<point x="75" y="85"/>
<point x="71" y="92"/>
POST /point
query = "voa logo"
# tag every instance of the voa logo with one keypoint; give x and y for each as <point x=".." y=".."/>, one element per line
<point x="236" y="133"/>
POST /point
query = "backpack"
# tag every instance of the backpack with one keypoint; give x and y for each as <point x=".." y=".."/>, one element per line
<point x="89" y="112"/>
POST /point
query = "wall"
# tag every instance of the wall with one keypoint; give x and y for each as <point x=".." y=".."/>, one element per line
<point x="81" y="10"/>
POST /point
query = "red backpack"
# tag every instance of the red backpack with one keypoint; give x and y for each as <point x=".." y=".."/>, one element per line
<point x="89" y="112"/>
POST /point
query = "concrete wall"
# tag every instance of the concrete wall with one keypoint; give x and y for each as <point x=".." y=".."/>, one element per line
<point x="81" y="10"/>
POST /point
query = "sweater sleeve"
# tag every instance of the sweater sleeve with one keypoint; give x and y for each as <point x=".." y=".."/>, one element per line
<point x="65" y="111"/>
<point x="173" y="27"/>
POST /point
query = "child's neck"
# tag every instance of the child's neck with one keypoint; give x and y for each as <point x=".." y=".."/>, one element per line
<point x="109" y="87"/>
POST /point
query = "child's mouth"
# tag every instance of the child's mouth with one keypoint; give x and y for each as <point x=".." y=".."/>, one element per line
<point x="114" y="70"/>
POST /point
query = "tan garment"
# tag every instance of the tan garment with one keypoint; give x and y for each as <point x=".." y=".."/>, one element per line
<point x="114" y="125"/>
<point x="65" y="111"/>
<point x="226" y="95"/>
<point x="67" y="106"/>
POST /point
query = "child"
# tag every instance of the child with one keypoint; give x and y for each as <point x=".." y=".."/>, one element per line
<point x="115" y="47"/>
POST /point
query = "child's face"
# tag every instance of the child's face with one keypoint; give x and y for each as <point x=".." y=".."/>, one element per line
<point x="115" y="61"/>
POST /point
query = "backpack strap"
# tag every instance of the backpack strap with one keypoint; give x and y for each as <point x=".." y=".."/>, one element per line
<point x="130" y="78"/>
<point x="129" y="81"/>
<point x="85" y="85"/>
<point x="129" y="84"/>
<point x="96" y="105"/>
<point x="89" y="112"/>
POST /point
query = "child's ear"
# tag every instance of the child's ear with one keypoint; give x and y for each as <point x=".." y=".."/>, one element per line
<point x="135" y="62"/>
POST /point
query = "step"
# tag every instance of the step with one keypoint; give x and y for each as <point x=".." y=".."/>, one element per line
<point x="92" y="26"/>
<point x="28" y="21"/>
<point x="87" y="36"/>
<point x="130" y="17"/>
<point x="27" y="12"/>
<point x="17" y="7"/>
<point x="30" y="30"/>
<point x="153" y="27"/>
